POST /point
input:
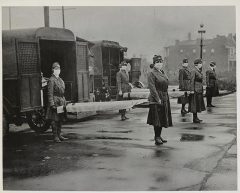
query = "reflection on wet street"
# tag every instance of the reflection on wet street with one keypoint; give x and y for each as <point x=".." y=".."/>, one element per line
<point x="185" y="118"/>
<point x="209" y="109"/>
<point x="194" y="128"/>
<point x="191" y="137"/>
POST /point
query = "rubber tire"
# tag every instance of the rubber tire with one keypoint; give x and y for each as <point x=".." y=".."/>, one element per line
<point x="36" y="128"/>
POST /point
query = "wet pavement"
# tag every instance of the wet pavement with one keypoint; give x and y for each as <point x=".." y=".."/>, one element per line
<point x="104" y="153"/>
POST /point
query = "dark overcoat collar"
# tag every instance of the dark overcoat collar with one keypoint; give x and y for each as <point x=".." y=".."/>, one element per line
<point x="186" y="68"/>
<point x="212" y="70"/>
<point x="158" y="74"/>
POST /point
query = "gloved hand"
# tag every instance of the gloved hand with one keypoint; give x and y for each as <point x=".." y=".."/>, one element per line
<point x="53" y="107"/>
<point x="160" y="102"/>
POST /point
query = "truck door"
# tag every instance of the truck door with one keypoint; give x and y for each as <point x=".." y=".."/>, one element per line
<point x="29" y="75"/>
<point x="82" y="71"/>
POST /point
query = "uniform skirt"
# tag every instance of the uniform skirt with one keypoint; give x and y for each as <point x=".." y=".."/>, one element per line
<point x="52" y="113"/>
<point x="196" y="103"/>
<point x="212" y="91"/>
<point x="160" y="115"/>
<point x="183" y="99"/>
<point x="54" y="116"/>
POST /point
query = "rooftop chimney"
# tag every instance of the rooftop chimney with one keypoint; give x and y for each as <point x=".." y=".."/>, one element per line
<point x="189" y="36"/>
<point x="177" y="42"/>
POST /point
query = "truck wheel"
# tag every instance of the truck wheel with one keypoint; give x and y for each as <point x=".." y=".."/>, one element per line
<point x="37" y="122"/>
<point x="5" y="126"/>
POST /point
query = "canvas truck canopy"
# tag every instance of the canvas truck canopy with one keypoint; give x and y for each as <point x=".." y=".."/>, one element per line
<point x="110" y="44"/>
<point x="9" y="38"/>
<point x="27" y="53"/>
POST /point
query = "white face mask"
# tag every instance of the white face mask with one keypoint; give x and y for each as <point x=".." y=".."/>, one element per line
<point x="199" y="66"/>
<point x="56" y="72"/>
<point x="158" y="66"/>
<point x="185" y="64"/>
<point x="124" y="68"/>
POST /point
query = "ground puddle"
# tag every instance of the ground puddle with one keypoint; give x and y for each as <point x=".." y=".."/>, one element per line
<point x="191" y="137"/>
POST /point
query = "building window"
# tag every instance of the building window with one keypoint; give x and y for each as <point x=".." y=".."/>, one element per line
<point x="181" y="51"/>
<point x="232" y="51"/>
<point x="232" y="65"/>
<point x="167" y="52"/>
<point x="212" y="50"/>
<point x="194" y="51"/>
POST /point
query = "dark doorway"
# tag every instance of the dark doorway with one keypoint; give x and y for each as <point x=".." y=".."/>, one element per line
<point x="63" y="52"/>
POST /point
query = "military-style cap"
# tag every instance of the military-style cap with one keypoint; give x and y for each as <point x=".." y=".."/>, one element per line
<point x="198" y="61"/>
<point x="123" y="63"/>
<point x="157" y="58"/>
<point x="55" y="65"/>
<point x="212" y="63"/>
<point x="185" y="60"/>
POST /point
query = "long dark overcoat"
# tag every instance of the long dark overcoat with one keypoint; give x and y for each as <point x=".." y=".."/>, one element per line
<point x="184" y="84"/>
<point x="159" y="114"/>
<point x="196" y="102"/>
<point x="122" y="83"/>
<point x="211" y="81"/>
<point x="56" y="89"/>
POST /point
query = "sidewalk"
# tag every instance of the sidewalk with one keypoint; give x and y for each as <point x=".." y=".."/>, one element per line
<point x="224" y="176"/>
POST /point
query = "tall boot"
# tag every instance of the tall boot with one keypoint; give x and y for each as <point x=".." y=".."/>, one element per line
<point x="183" y="110"/>
<point x="195" y="118"/>
<point x="211" y="102"/>
<point x="208" y="101"/>
<point x="55" y="132"/>
<point x="123" y="114"/>
<point x="160" y="132"/>
<point x="157" y="138"/>
<point x="59" y="132"/>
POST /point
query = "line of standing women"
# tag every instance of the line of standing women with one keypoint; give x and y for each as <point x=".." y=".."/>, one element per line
<point x="191" y="82"/>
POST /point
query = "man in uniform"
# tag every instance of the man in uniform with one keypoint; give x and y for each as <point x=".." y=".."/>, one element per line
<point x="184" y="85"/>
<point x="212" y="87"/>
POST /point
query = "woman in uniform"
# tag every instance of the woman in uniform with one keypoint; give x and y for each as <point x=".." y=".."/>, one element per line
<point x="184" y="85"/>
<point x="196" y="102"/>
<point x="159" y="106"/>
<point x="56" y="88"/>
<point x="212" y="86"/>
<point x="122" y="86"/>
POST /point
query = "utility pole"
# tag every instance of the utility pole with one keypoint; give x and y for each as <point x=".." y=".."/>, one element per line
<point x="201" y="31"/>
<point x="63" y="19"/>
<point x="10" y="18"/>
<point x="63" y="13"/>
<point x="46" y="16"/>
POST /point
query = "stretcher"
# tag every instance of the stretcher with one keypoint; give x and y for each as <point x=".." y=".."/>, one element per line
<point x="102" y="106"/>
<point x="144" y="93"/>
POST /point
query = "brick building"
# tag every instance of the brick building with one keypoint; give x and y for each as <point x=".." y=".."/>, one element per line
<point x="221" y="49"/>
